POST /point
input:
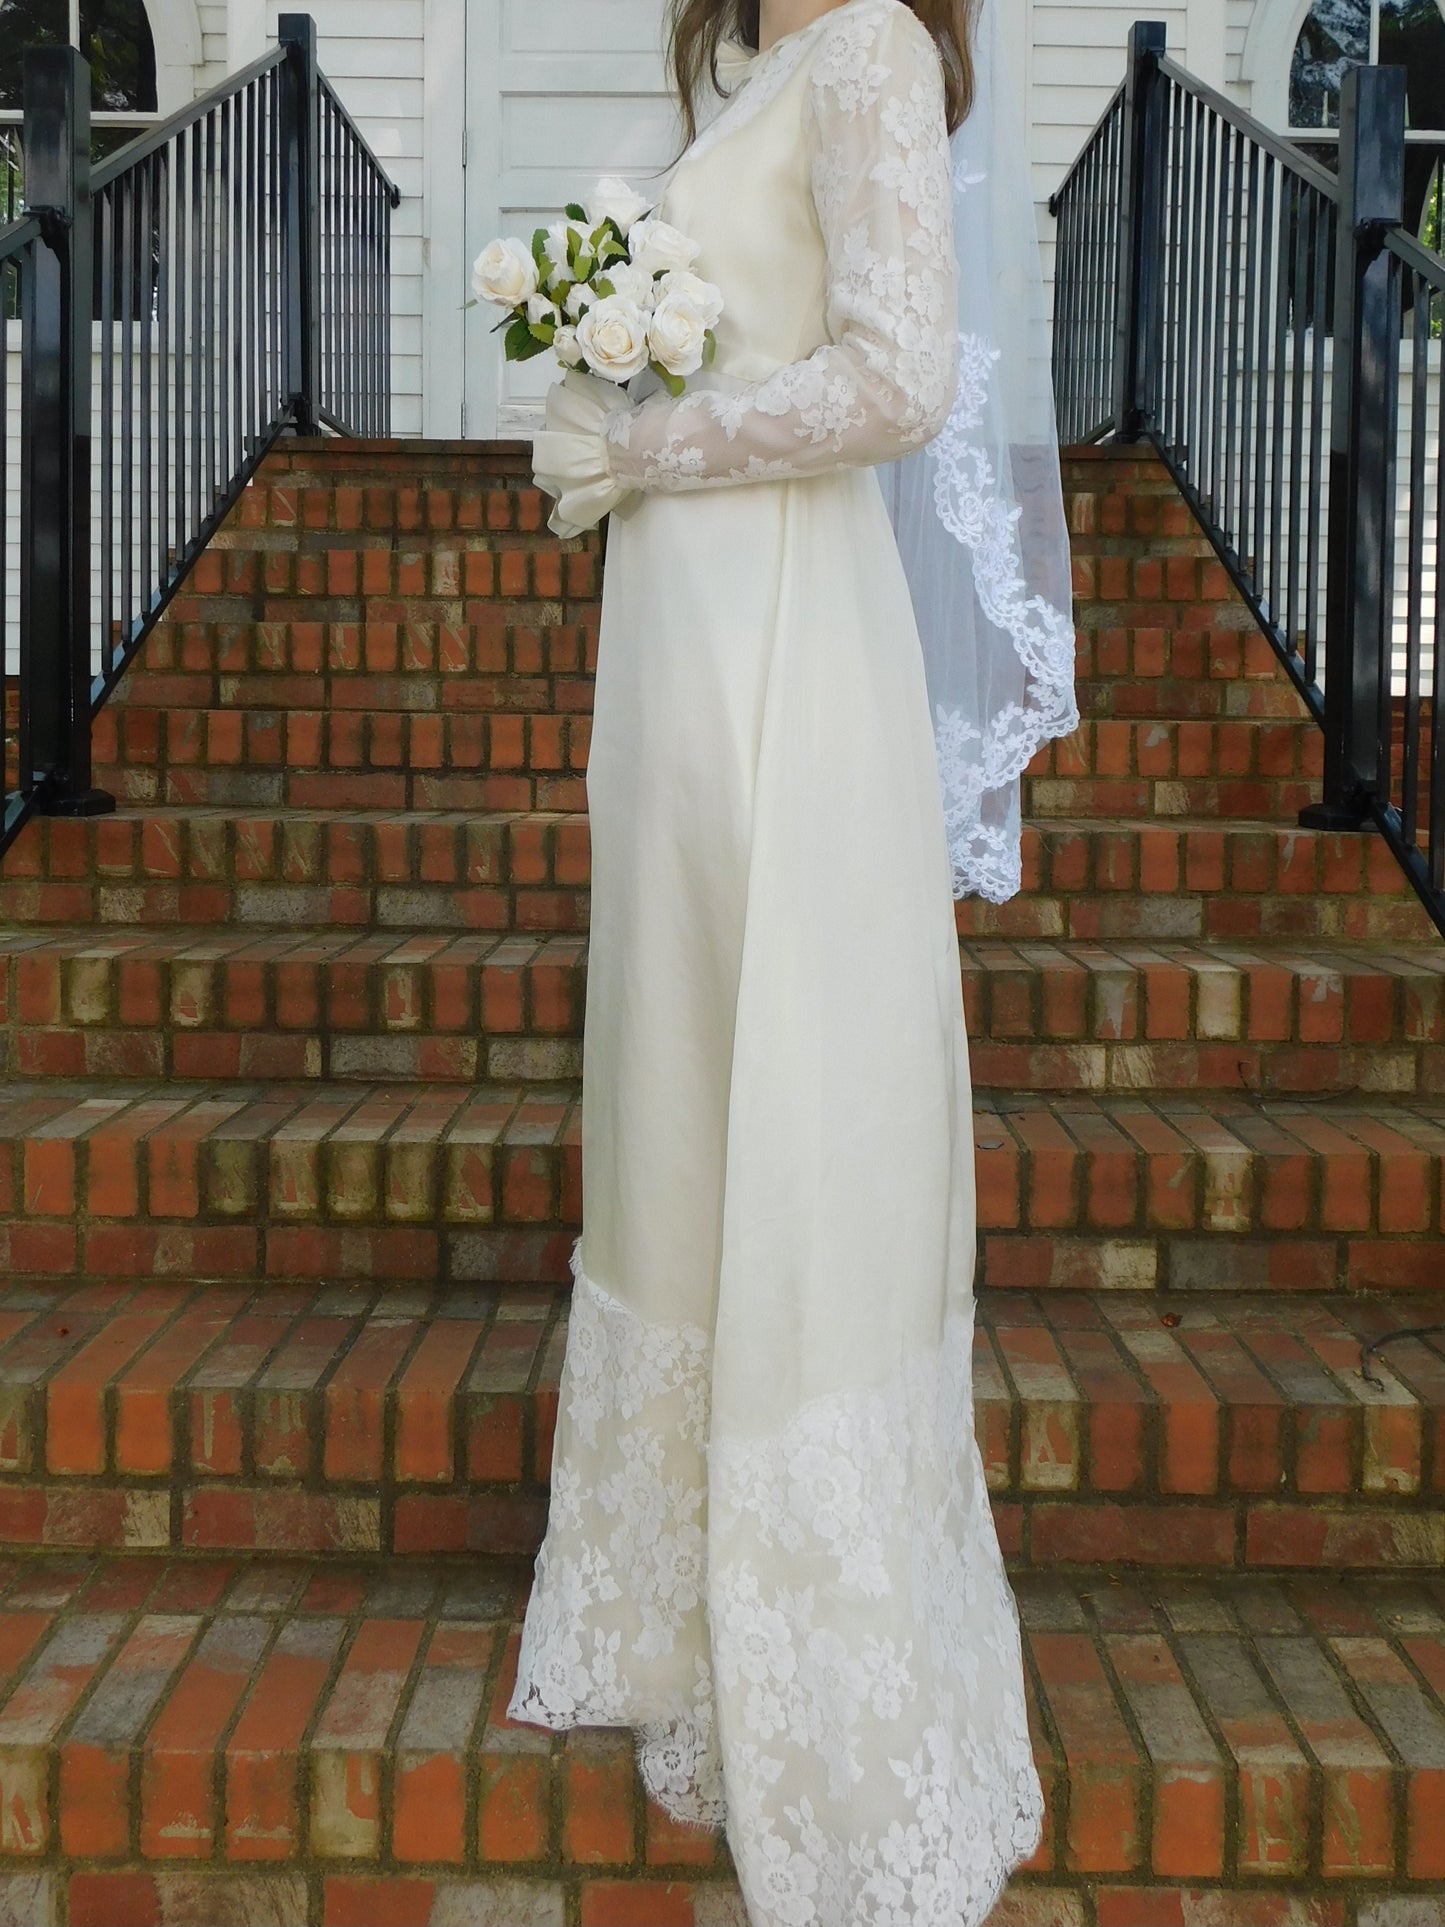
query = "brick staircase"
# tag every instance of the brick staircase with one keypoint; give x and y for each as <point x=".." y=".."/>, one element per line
<point x="289" y="1178"/>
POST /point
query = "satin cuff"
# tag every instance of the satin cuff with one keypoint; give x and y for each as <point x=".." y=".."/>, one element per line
<point x="570" y="457"/>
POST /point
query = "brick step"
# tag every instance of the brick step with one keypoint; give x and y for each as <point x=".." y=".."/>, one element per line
<point x="1161" y="749"/>
<point x="1115" y="880"/>
<point x="458" y="869"/>
<point x="298" y="575"/>
<point x="471" y="868"/>
<point x="1126" y="698"/>
<point x="1262" y="798"/>
<point x="526" y="661"/>
<point x="1235" y="1431"/>
<point x="1210" y="1191"/>
<point x="344" y="760"/>
<point x="499" y="658"/>
<point x="438" y="1184"/>
<point x="204" y="1741"/>
<point x="461" y="1184"/>
<point x="1080" y="1017"/>
<point x="1041" y="1016"/>
<point x="201" y="1004"/>
<point x="377" y="757"/>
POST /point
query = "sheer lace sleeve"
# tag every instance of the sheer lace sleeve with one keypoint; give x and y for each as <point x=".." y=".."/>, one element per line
<point x="886" y="379"/>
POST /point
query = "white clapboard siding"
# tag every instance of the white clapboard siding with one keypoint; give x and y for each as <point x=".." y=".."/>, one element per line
<point x="216" y="61"/>
<point x="1238" y="15"/>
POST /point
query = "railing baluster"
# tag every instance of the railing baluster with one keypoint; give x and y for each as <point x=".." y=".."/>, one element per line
<point x="1263" y="375"/>
<point x="1436" y="853"/>
<point x="1193" y="301"/>
<point x="149" y="184"/>
<point x="1299" y="316"/>
<point x="105" y="251"/>
<point x="125" y="191"/>
<point x="1415" y="570"/>
<point x="1316" y="522"/>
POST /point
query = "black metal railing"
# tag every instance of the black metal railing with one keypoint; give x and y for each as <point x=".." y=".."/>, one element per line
<point x="1276" y="334"/>
<point x="222" y="279"/>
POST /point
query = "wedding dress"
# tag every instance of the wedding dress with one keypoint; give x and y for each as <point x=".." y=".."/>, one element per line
<point x="769" y="1547"/>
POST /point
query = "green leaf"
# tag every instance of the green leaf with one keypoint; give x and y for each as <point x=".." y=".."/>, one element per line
<point x="530" y="346"/>
<point x="542" y="331"/>
<point x="709" y="348"/>
<point x="674" y="384"/>
<point x="603" y="285"/>
<point x="539" y="250"/>
<point x="575" y="212"/>
<point x="518" y="343"/>
<point x="611" y="249"/>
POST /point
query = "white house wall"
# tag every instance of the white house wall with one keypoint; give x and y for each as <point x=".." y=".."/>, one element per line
<point x="400" y="67"/>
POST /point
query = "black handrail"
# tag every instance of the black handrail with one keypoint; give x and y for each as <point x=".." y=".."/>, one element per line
<point x="222" y="279"/>
<point x="1222" y="296"/>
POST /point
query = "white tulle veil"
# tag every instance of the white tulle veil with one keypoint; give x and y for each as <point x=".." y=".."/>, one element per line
<point x="979" y="512"/>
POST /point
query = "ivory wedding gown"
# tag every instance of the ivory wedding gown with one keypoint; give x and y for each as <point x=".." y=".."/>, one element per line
<point x="769" y="1546"/>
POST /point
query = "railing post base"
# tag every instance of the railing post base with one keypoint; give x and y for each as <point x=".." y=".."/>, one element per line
<point x="1336" y="816"/>
<point x="79" y="803"/>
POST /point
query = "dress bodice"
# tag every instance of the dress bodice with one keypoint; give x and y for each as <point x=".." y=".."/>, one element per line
<point x="821" y="198"/>
<point x="743" y="191"/>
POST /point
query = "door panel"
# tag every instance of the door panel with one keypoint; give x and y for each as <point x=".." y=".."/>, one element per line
<point x="558" y="92"/>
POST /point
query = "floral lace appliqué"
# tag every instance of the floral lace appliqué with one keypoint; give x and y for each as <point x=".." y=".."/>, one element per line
<point x="979" y="773"/>
<point x="830" y="1666"/>
<point x="615" y="1632"/>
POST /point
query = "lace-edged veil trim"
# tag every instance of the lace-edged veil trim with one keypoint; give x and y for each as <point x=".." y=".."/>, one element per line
<point x="979" y="512"/>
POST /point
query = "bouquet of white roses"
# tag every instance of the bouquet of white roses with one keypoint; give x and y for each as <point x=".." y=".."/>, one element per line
<point x="610" y="287"/>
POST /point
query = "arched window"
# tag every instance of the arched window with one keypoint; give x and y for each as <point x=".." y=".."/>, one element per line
<point x="114" y="35"/>
<point x="116" y="38"/>
<point x="1397" y="33"/>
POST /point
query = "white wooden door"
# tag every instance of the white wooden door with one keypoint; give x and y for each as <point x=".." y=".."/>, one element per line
<point x="558" y="92"/>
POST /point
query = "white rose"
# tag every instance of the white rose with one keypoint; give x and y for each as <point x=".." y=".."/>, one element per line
<point x="504" y="272"/>
<point x="636" y="283"/>
<point x="554" y="247"/>
<point x="656" y="245"/>
<point x="682" y="285"/>
<point x="577" y="299"/>
<point x="612" y="335"/>
<point x="675" y="335"/>
<point x="566" y="347"/>
<point x="614" y="200"/>
<point x="541" y="307"/>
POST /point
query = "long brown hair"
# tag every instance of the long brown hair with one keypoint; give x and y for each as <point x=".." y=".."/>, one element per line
<point x="696" y="27"/>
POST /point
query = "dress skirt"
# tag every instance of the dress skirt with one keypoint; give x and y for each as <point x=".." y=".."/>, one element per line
<point x="769" y="1547"/>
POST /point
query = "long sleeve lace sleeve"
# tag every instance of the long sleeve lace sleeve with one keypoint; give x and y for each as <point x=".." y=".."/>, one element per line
<point x="885" y="380"/>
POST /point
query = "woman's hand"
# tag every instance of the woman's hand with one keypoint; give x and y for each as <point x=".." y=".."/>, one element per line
<point x="570" y="454"/>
